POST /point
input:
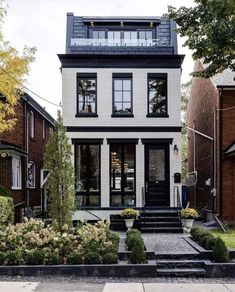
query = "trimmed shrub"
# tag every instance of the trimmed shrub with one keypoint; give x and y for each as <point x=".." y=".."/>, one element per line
<point x="7" y="210"/>
<point x="201" y="236"/>
<point x="110" y="258"/>
<point x="74" y="258"/>
<point x="137" y="254"/>
<point x="34" y="257"/>
<point x="194" y="231"/>
<point x="133" y="230"/>
<point x="92" y="257"/>
<point x="2" y="258"/>
<point x="14" y="257"/>
<point x="114" y="238"/>
<point x="52" y="258"/>
<point x="208" y="241"/>
<point x="130" y="241"/>
<point x="220" y="251"/>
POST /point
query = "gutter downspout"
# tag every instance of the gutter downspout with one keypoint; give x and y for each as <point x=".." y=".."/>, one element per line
<point x="214" y="190"/>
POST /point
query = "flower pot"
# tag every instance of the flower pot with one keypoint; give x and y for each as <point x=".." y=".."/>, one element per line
<point x="129" y="223"/>
<point x="189" y="224"/>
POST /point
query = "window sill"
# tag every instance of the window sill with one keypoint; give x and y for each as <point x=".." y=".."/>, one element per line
<point x="157" y="116"/>
<point x="122" y="116"/>
<point x="16" y="188"/>
<point x="86" y="115"/>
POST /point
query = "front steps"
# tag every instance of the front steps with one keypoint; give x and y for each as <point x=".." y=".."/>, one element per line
<point x="162" y="220"/>
<point x="180" y="265"/>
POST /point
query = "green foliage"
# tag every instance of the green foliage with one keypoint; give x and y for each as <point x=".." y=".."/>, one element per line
<point x="60" y="184"/>
<point x="131" y="239"/>
<point x="52" y="258"/>
<point x="210" y="29"/>
<point x="2" y="258"/>
<point x="110" y="258"/>
<point x="74" y="258"/>
<point x="133" y="231"/>
<point x="137" y="253"/>
<point x="34" y="257"/>
<point x="91" y="257"/>
<point x="220" y="251"/>
<point x="6" y="210"/>
<point x="4" y="192"/>
<point x="205" y="238"/>
<point x="114" y="238"/>
<point x="14" y="257"/>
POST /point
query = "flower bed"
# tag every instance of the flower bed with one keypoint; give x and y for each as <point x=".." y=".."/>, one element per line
<point x="33" y="243"/>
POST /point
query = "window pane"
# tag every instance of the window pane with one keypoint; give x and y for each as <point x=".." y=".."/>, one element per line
<point x="118" y="96"/>
<point x="157" y="95"/>
<point x="129" y="200"/>
<point x="127" y="107"/>
<point x="115" y="167"/>
<point x="149" y="35"/>
<point x="126" y="96"/>
<point x="142" y="35"/>
<point x="117" y="84"/>
<point x="156" y="165"/>
<point x="117" y="107"/>
<point x="116" y="200"/>
<point x="126" y="84"/>
<point x="87" y="96"/>
<point x="129" y="167"/>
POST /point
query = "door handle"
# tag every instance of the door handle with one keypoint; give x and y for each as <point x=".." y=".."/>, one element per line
<point x="146" y="187"/>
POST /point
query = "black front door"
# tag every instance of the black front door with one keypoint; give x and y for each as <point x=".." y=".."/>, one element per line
<point x="157" y="183"/>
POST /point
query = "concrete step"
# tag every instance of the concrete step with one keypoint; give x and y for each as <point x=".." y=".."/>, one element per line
<point x="181" y="272"/>
<point x="159" y="218"/>
<point x="160" y="224"/>
<point x="179" y="257"/>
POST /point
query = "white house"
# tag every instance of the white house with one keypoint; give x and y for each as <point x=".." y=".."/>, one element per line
<point x="121" y="108"/>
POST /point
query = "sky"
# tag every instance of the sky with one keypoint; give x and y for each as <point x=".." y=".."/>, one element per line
<point x="42" y="24"/>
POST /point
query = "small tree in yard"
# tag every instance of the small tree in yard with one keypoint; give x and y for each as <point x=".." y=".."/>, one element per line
<point x="60" y="184"/>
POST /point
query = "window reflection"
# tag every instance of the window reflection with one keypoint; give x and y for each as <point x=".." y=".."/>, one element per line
<point x="86" y="95"/>
<point x="157" y="95"/>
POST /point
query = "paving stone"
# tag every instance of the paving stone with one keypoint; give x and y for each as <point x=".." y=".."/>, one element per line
<point x="124" y="287"/>
<point x="185" y="287"/>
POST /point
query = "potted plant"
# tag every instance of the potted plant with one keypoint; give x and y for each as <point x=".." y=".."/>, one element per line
<point x="189" y="214"/>
<point x="129" y="216"/>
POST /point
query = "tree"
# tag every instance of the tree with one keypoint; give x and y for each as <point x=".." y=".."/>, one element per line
<point x="13" y="68"/>
<point x="210" y="29"/>
<point x="60" y="184"/>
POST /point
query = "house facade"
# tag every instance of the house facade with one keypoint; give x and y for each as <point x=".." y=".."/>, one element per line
<point x="21" y="156"/>
<point x="211" y="150"/>
<point x="121" y="109"/>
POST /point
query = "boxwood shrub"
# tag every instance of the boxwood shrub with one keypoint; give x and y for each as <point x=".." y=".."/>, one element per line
<point x="92" y="257"/>
<point x="110" y="258"/>
<point x="74" y="258"/>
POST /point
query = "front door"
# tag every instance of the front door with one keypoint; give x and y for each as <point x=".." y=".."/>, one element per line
<point x="157" y="191"/>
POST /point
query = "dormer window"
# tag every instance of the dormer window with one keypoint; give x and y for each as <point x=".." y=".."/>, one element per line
<point x="86" y="100"/>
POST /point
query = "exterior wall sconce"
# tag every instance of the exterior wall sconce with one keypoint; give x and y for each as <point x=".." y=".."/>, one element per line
<point x="176" y="149"/>
<point x="121" y="23"/>
<point x="92" y="23"/>
<point x="151" y="24"/>
<point x="4" y="155"/>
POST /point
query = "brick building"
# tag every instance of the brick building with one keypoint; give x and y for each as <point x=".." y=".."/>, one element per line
<point x="211" y="150"/>
<point x="21" y="155"/>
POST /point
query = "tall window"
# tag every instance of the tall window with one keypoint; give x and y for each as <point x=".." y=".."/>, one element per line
<point x="88" y="174"/>
<point x="122" y="94"/>
<point x="16" y="173"/>
<point x="32" y="129"/>
<point x="31" y="174"/>
<point x="130" y="38"/>
<point x="114" y="38"/>
<point x="87" y="94"/>
<point x="122" y="174"/>
<point x="145" y="37"/>
<point x="98" y="37"/>
<point x="157" y="95"/>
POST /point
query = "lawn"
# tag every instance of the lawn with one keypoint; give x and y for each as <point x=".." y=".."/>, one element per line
<point x="229" y="237"/>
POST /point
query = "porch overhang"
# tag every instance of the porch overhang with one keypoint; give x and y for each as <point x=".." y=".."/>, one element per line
<point x="9" y="150"/>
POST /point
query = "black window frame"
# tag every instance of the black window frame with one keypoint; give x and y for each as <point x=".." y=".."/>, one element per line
<point x="122" y="193"/>
<point x="84" y="76"/>
<point x="122" y="76"/>
<point x="86" y="194"/>
<point x="154" y="76"/>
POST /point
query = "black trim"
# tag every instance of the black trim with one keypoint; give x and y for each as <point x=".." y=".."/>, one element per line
<point x="86" y="115"/>
<point x="122" y="193"/>
<point x="155" y="76"/>
<point x="154" y="115"/>
<point x="86" y="76"/>
<point x="157" y="141"/>
<point x="122" y="141"/>
<point x="87" y="141"/>
<point x="123" y="129"/>
<point x="122" y="116"/>
<point x="124" y="76"/>
<point x="125" y="59"/>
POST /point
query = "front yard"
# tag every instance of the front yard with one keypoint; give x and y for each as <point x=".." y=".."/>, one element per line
<point x="229" y="238"/>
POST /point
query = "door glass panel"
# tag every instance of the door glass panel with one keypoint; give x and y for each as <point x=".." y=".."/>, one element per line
<point x="156" y="165"/>
<point x="116" y="167"/>
<point x="129" y="168"/>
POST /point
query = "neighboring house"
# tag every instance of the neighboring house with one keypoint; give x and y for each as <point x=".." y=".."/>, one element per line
<point x="21" y="155"/>
<point x="212" y="102"/>
<point x="121" y="109"/>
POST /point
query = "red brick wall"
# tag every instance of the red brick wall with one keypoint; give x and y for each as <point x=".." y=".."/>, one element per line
<point x="227" y="164"/>
<point x="203" y="98"/>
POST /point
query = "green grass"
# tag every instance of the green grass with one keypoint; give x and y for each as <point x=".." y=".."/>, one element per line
<point x="229" y="237"/>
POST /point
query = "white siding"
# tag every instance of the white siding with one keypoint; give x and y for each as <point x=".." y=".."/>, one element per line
<point x="104" y="98"/>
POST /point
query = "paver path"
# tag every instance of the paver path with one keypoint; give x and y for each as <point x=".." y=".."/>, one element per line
<point x="167" y="243"/>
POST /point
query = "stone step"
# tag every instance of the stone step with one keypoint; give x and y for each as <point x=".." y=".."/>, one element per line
<point x="159" y="218"/>
<point x="162" y="229"/>
<point x="182" y="272"/>
<point x="179" y="256"/>
<point x="173" y="264"/>
<point x="160" y="224"/>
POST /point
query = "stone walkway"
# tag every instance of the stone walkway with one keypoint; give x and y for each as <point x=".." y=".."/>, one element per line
<point x="167" y="243"/>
